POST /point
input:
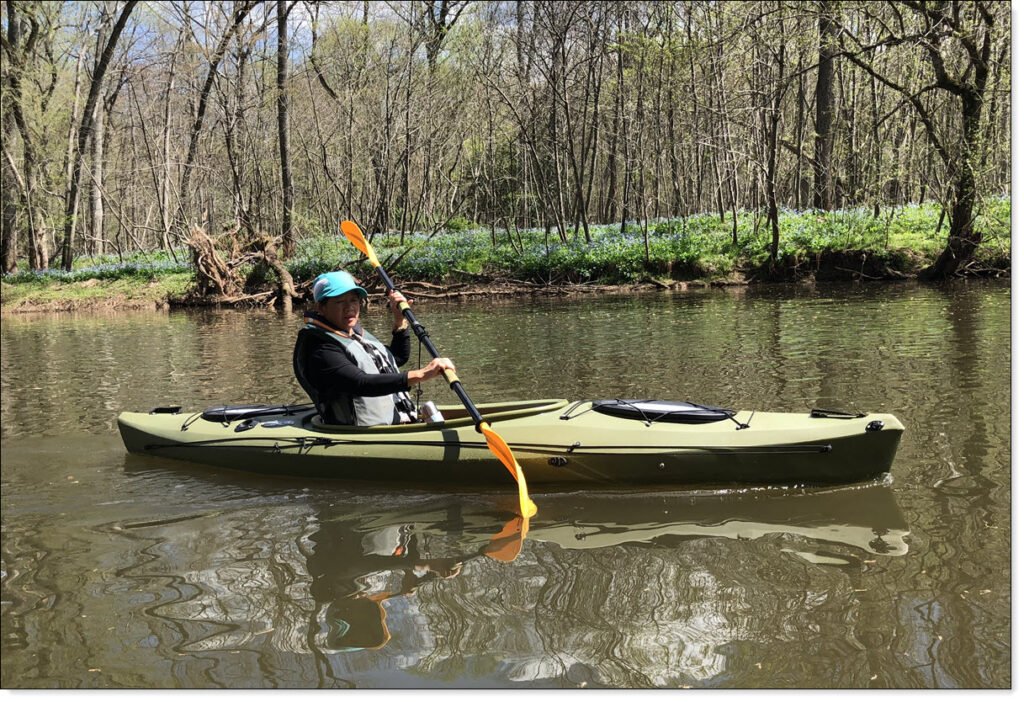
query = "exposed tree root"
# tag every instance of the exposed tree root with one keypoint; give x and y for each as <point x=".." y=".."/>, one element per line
<point x="219" y="281"/>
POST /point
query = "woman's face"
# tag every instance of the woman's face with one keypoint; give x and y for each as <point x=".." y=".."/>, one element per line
<point x="342" y="311"/>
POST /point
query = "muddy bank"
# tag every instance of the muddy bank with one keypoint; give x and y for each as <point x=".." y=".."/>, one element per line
<point x="29" y="306"/>
<point x="420" y="291"/>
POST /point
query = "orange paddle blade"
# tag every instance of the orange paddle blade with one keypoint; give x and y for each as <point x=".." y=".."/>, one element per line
<point x="506" y="544"/>
<point x="500" y="449"/>
<point x="354" y="234"/>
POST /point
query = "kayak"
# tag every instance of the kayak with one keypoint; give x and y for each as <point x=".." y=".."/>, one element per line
<point x="587" y="442"/>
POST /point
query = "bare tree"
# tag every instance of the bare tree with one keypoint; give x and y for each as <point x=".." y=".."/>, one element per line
<point x="237" y="17"/>
<point x="957" y="40"/>
<point x="84" y="131"/>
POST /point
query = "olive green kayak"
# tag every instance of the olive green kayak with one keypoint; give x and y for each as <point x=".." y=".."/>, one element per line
<point x="611" y="442"/>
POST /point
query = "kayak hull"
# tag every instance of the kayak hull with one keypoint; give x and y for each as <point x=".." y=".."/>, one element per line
<point x="553" y="441"/>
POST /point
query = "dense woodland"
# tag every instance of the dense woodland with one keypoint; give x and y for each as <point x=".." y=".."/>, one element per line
<point x="126" y="122"/>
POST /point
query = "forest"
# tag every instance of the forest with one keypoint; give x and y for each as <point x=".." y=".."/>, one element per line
<point x="135" y="126"/>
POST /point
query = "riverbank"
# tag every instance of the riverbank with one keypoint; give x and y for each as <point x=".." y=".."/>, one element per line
<point x="43" y="295"/>
<point x="464" y="262"/>
<point x="174" y="291"/>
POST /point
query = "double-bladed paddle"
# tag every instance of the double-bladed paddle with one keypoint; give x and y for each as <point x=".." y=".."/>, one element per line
<point x="497" y="445"/>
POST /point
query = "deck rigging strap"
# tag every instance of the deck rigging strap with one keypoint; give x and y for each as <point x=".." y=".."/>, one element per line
<point x="835" y="414"/>
<point x="651" y="411"/>
<point x="225" y="414"/>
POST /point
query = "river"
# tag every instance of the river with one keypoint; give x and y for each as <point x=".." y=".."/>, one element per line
<point x="122" y="571"/>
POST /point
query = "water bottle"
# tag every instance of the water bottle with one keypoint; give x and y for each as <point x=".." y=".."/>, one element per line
<point x="430" y="414"/>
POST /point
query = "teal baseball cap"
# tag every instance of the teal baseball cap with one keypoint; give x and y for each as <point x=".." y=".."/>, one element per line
<point x="335" y="284"/>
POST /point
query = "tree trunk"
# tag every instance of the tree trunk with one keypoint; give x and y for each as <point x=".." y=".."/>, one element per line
<point x="824" y="107"/>
<point x="36" y="256"/>
<point x="697" y="192"/>
<point x="595" y="131"/>
<point x="963" y="237"/>
<point x="9" y="240"/>
<point x="637" y="159"/>
<point x="798" y="136"/>
<point x="611" y="200"/>
<point x="405" y="224"/>
<point x="69" y="154"/>
<point x="877" y="148"/>
<point x="719" y="96"/>
<point x="287" y="235"/>
<point x="166" y="219"/>
<point x="627" y="169"/>
<point x="96" y="186"/>
<point x="774" y="118"/>
<point x="578" y="162"/>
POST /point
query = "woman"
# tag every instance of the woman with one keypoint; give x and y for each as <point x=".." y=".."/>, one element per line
<point x="349" y="374"/>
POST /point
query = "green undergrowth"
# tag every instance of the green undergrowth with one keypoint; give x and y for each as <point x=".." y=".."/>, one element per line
<point x="854" y="243"/>
<point x="700" y="247"/>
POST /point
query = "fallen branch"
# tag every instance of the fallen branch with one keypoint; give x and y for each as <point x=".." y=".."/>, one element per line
<point x="657" y="283"/>
<point x="898" y="274"/>
<point x="860" y="274"/>
<point x="432" y="286"/>
<point x="973" y="268"/>
<point x="247" y="298"/>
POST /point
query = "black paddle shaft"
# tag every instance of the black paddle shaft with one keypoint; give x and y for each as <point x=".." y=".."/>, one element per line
<point x="424" y="337"/>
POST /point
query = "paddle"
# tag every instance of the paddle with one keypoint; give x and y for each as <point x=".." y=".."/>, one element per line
<point x="497" y="445"/>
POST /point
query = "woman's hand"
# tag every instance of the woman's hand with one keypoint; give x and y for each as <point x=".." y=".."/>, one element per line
<point x="395" y="299"/>
<point x="433" y="369"/>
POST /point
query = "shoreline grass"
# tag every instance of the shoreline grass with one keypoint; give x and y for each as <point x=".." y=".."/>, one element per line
<point x="851" y="244"/>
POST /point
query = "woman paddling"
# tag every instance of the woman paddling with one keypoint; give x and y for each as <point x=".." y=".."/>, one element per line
<point x="349" y="374"/>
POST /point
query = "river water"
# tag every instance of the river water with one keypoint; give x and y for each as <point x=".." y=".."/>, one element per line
<point x="127" y="571"/>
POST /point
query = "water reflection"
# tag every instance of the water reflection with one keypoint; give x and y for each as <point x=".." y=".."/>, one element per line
<point x="402" y="589"/>
<point x="357" y="563"/>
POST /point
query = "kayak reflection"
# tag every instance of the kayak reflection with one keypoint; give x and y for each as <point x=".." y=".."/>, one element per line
<point x="365" y="556"/>
<point x="400" y="573"/>
<point x="866" y="517"/>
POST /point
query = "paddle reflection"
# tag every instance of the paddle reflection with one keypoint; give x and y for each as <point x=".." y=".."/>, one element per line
<point x="355" y="569"/>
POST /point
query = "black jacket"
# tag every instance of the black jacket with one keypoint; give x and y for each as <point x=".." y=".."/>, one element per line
<point x="331" y="373"/>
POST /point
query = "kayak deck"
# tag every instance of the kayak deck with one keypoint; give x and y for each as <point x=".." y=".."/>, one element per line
<point x="554" y="442"/>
